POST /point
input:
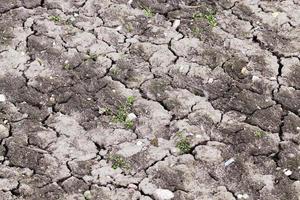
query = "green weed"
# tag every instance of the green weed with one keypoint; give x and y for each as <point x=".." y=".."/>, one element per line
<point x="122" y="113"/>
<point x="183" y="144"/>
<point x="148" y="12"/>
<point x="210" y="17"/>
<point x="55" y="18"/>
<point x="259" y="134"/>
<point x="67" y="66"/>
<point x="119" y="161"/>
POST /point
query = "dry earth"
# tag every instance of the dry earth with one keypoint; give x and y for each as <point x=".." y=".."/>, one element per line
<point x="149" y="99"/>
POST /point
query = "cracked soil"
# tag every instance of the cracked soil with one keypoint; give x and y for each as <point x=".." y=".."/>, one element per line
<point x="149" y="99"/>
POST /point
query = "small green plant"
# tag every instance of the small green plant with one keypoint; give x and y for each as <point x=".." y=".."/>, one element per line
<point x="128" y="124"/>
<point x="55" y="18"/>
<point x="183" y="144"/>
<point x="122" y="113"/>
<point x="91" y="56"/>
<point x="114" y="71"/>
<point x="119" y="161"/>
<point x="129" y="27"/>
<point x="197" y="16"/>
<point x="196" y="31"/>
<point x="130" y="101"/>
<point x="210" y="17"/>
<point x="67" y="66"/>
<point x="154" y="141"/>
<point x="148" y="12"/>
<point x="259" y="134"/>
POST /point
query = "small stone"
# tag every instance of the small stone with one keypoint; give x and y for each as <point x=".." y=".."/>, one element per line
<point x="291" y="155"/>
<point x="131" y="116"/>
<point x="162" y="194"/>
<point x="255" y="78"/>
<point x="287" y="172"/>
<point x="229" y="162"/>
<point x="139" y="143"/>
<point x="210" y="80"/>
<point x="2" y="98"/>
<point x="190" y="134"/>
<point x="176" y="23"/>
<point x="132" y="186"/>
<point x="275" y="14"/>
<point x="87" y="194"/>
<point x="52" y="99"/>
<point x="4" y="132"/>
<point x="244" y="71"/>
<point x="50" y="109"/>
<point x="243" y="196"/>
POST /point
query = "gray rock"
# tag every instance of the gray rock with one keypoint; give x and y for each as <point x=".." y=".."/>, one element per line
<point x="4" y="132"/>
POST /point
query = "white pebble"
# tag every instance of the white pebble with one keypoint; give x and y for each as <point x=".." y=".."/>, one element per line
<point x="130" y="2"/>
<point x="139" y="143"/>
<point x="287" y="172"/>
<point x="229" y="162"/>
<point x="162" y="194"/>
<point x="50" y="110"/>
<point x="132" y="186"/>
<point x="244" y="71"/>
<point x="210" y="80"/>
<point x="243" y="196"/>
<point x="176" y="23"/>
<point x="131" y="116"/>
<point x="52" y="99"/>
<point x="190" y="134"/>
<point x="119" y="28"/>
<point x="2" y="98"/>
<point x="255" y="78"/>
<point x="275" y="14"/>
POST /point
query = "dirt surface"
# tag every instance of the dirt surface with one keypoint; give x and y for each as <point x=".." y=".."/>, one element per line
<point x="149" y="99"/>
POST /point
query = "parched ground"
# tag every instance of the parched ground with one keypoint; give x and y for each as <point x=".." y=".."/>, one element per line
<point x="149" y="99"/>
